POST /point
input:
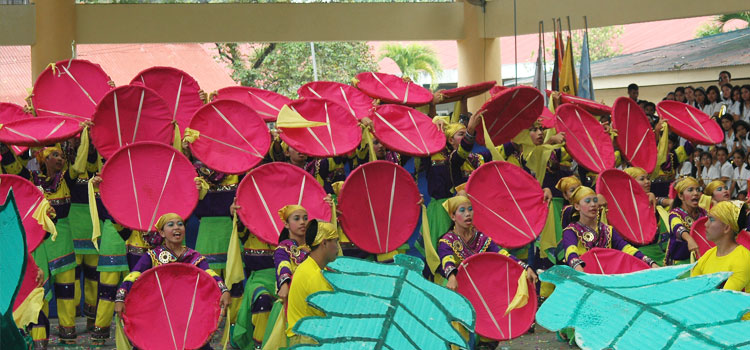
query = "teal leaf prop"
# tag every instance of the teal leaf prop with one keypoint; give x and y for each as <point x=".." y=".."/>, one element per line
<point x="383" y="306"/>
<point x="13" y="251"/>
<point x="649" y="309"/>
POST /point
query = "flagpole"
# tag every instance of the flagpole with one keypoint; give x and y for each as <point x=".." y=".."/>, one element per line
<point x="515" y="40"/>
<point x="544" y="47"/>
<point x="569" y="33"/>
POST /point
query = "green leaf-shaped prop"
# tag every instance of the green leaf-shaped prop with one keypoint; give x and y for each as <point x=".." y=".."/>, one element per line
<point x="382" y="306"/>
<point x="649" y="309"/>
<point x="13" y="251"/>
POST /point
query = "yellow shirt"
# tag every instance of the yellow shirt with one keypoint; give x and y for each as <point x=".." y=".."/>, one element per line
<point x="737" y="262"/>
<point x="308" y="279"/>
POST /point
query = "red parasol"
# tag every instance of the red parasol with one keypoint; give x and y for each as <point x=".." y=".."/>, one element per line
<point x="233" y="138"/>
<point x="490" y="281"/>
<point x="590" y="106"/>
<point x="10" y="112"/>
<point x="629" y="209"/>
<point x="606" y="261"/>
<point x="172" y="306"/>
<point x="509" y="112"/>
<point x="178" y="88"/>
<point x="270" y="187"/>
<point x="340" y="135"/>
<point x="28" y="284"/>
<point x="407" y="130"/>
<point x="698" y="232"/>
<point x="497" y="89"/>
<point x="128" y="114"/>
<point x="39" y="131"/>
<point x="585" y="138"/>
<point x="547" y="118"/>
<point x="145" y="180"/>
<point x="392" y="89"/>
<point x="379" y="205"/>
<point x="356" y="102"/>
<point x="508" y="203"/>
<point x="635" y="138"/>
<point x="70" y="88"/>
<point x="456" y="94"/>
<point x="264" y="102"/>
<point x="690" y="122"/>
<point x="28" y="197"/>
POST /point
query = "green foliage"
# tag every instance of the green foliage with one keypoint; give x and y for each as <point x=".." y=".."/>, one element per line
<point x="412" y="59"/>
<point x="716" y="26"/>
<point x="708" y="29"/>
<point x="604" y="42"/>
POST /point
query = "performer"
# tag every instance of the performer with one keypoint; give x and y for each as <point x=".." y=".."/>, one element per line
<point x="716" y="191"/>
<point x="567" y="186"/>
<point x="684" y="212"/>
<point x="587" y="233"/>
<point x="667" y="172"/>
<point x="656" y="249"/>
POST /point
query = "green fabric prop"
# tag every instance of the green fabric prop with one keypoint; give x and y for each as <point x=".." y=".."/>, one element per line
<point x="13" y="251"/>
<point x="649" y="309"/>
<point x="384" y="306"/>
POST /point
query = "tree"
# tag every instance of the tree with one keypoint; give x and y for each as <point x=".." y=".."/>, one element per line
<point x="413" y="59"/>
<point x="716" y="26"/>
<point x="284" y="67"/>
<point x="604" y="42"/>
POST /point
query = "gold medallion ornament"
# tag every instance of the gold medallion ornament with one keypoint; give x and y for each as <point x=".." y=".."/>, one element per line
<point x="689" y="221"/>
<point x="457" y="246"/>
<point x="588" y="237"/>
<point x="165" y="257"/>
<point x="294" y="250"/>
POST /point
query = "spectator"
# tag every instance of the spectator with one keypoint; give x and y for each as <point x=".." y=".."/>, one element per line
<point x="726" y="94"/>
<point x="669" y="97"/>
<point x="726" y="124"/>
<point x="740" y="135"/>
<point x="742" y="196"/>
<point x="744" y="110"/>
<point x="726" y="170"/>
<point x="690" y="95"/>
<point x="679" y="94"/>
<point x="712" y="103"/>
<point x="733" y="104"/>
<point x="741" y="173"/>
<point x="633" y="92"/>
<point x="725" y="77"/>
<point x="707" y="170"/>
<point x="700" y="98"/>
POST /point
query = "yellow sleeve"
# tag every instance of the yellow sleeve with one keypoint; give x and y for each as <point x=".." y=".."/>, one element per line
<point x="681" y="154"/>
<point x="740" y="267"/>
<point x="629" y="249"/>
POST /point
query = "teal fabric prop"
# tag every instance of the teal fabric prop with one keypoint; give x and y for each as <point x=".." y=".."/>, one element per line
<point x="13" y="251"/>
<point x="649" y="309"/>
<point x="383" y="306"/>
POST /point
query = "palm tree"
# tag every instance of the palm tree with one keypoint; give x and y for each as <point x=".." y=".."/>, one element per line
<point x="413" y="59"/>
<point x="743" y="16"/>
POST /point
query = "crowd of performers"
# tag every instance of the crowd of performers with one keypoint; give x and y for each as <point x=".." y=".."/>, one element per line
<point x="63" y="172"/>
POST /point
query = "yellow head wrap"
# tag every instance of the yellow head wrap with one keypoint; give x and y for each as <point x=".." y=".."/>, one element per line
<point x="567" y="182"/>
<point x="284" y="147"/>
<point x="452" y="204"/>
<point x="580" y="193"/>
<point x="164" y="219"/>
<point x="45" y="152"/>
<point x="451" y="129"/>
<point x="461" y="187"/>
<point x="635" y="171"/>
<point x="728" y="212"/>
<point x="326" y="230"/>
<point x="288" y="210"/>
<point x="337" y="187"/>
<point x="683" y="184"/>
<point x="712" y="186"/>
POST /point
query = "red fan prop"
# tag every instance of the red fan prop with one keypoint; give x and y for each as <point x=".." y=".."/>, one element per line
<point x="172" y="306"/>
<point x="635" y="138"/>
<point x="145" y="180"/>
<point x="508" y="203"/>
<point x="547" y="118"/>
<point x="264" y="102"/>
<point x="129" y="114"/>
<point x="10" y="112"/>
<point x="340" y="135"/>
<point x="392" y="89"/>
<point x="28" y="284"/>
<point x="39" y="131"/>
<point x="590" y="106"/>
<point x="509" y="112"/>
<point x="490" y="281"/>
<point x="698" y="232"/>
<point x="379" y="206"/>
<point x="356" y="102"/>
<point x="407" y="130"/>
<point x="178" y="88"/>
<point x="498" y="89"/>
<point x="585" y="138"/>
<point x="270" y="187"/>
<point x="690" y="122"/>
<point x="233" y="138"/>
<point x="606" y="261"/>
<point x="70" y="89"/>
<point x="28" y="197"/>
<point x="629" y="209"/>
<point x="456" y="94"/>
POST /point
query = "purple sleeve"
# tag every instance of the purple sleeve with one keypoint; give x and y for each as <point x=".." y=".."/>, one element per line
<point x="203" y="265"/>
<point x="620" y="244"/>
<point x="282" y="262"/>
<point x="570" y="240"/>
<point x="447" y="260"/>
<point x="143" y="264"/>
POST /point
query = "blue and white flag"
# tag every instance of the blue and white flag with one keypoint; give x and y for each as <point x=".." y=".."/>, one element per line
<point x="585" y="84"/>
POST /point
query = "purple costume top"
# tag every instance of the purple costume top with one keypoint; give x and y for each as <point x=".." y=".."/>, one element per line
<point x="452" y="250"/>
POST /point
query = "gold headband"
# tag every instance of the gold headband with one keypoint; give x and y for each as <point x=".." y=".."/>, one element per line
<point x="683" y="184"/>
<point x="451" y="129"/>
<point x="288" y="210"/>
<point x="326" y="230"/>
<point x="46" y="151"/>
<point x="164" y="219"/>
<point x="461" y="187"/>
<point x="728" y="212"/>
<point x="712" y="186"/>
<point x="580" y="193"/>
<point x="635" y="171"/>
<point x="567" y="182"/>
<point x="337" y="187"/>
<point x="453" y="203"/>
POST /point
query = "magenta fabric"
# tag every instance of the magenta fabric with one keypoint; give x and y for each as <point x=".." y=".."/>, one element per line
<point x="629" y="209"/>
<point x="407" y="130"/>
<point x="172" y="306"/>
<point x="10" y="112"/>
<point x="28" y="284"/>
<point x="233" y="138"/>
<point x="635" y="138"/>
<point x="39" y="131"/>
<point x="270" y="187"/>
<point x="489" y="281"/>
<point x="509" y="112"/>
<point x="590" y="106"/>
<point x="145" y="180"/>
<point x="392" y="89"/>
<point x="508" y="203"/>
<point x="743" y="238"/>
<point x="698" y="232"/>
<point x="71" y="89"/>
<point x="177" y="88"/>
<point x="379" y="206"/>
<point x="547" y="118"/>
<point x="585" y="138"/>
<point x="28" y="197"/>
<point x="341" y="136"/>
<point x="497" y="89"/>
<point x="356" y="102"/>
<point x="264" y="102"/>
<point x="128" y="114"/>
<point x="456" y="94"/>
<point x="690" y="122"/>
<point x="606" y="261"/>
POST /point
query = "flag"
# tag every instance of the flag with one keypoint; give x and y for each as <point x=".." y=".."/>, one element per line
<point x="585" y="84"/>
<point x="540" y="73"/>
<point x="558" y="61"/>
<point x="568" y="79"/>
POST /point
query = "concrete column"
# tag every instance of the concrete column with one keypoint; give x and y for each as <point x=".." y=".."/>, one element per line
<point x="55" y="23"/>
<point x="478" y="57"/>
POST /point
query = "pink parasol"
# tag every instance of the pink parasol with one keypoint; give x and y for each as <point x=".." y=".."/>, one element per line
<point x="690" y="122"/>
<point x="407" y="130"/>
<point x="585" y="138"/>
<point x="264" y="102"/>
<point x="356" y="102"/>
<point x="590" y="106"/>
<point x="28" y="197"/>
<point x="340" y="135"/>
<point x="629" y="209"/>
<point x="39" y="131"/>
<point x="70" y="88"/>
<point x="509" y="112"/>
<point x="635" y="138"/>
<point x="392" y="89"/>
<point x="606" y="261"/>
<point x="177" y="88"/>
<point x="10" y="112"/>
<point x="456" y="94"/>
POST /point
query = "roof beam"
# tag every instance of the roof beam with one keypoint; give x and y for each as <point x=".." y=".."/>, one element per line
<point x="17" y="24"/>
